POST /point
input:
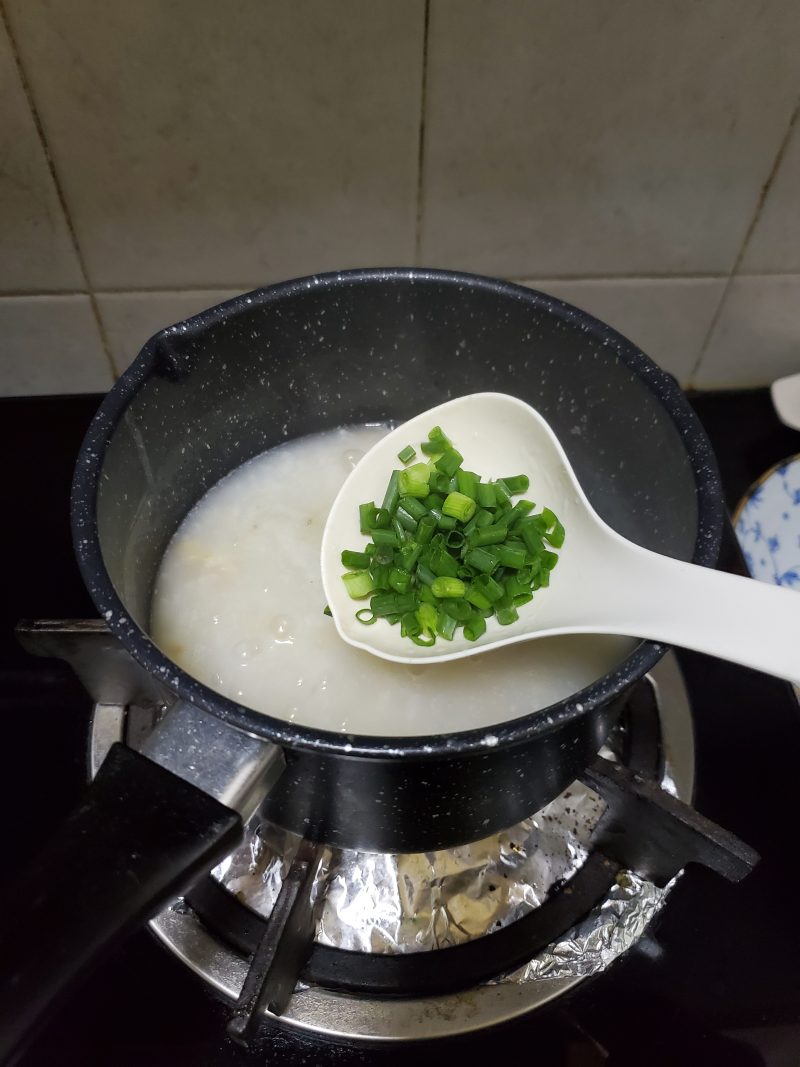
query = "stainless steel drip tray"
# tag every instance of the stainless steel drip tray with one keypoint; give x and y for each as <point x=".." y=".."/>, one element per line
<point x="379" y="903"/>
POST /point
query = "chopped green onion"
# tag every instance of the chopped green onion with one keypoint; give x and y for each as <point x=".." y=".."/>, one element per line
<point x="399" y="580"/>
<point x="494" y="534"/>
<point x="457" y="608"/>
<point x="445" y="625"/>
<point x="366" y="516"/>
<point x="467" y="483"/>
<point x="485" y="495"/>
<point x="459" y="507"/>
<point x="392" y="493"/>
<point x="481" y="559"/>
<point x="358" y="584"/>
<point x="448" y="550"/>
<point x="327" y="611"/>
<point x="357" y="560"/>
<point x="413" y="481"/>
<point x="425" y="530"/>
<point x="404" y="517"/>
<point x="385" y="537"/>
<point x="449" y="462"/>
<point x="448" y="587"/>
<point x="518" y="483"/>
<point x="475" y="627"/>
<point x="511" y="556"/>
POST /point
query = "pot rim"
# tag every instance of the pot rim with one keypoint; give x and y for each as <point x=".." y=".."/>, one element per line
<point x="710" y="509"/>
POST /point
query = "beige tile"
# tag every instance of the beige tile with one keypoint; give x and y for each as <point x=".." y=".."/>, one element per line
<point x="617" y="137"/>
<point x="35" y="247"/>
<point x="50" y="344"/>
<point x="775" y="242"/>
<point x="206" y="144"/>
<point x="130" y="319"/>
<point x="668" y="318"/>
<point x="757" y="337"/>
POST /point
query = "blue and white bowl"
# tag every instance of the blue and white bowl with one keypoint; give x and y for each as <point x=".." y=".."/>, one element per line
<point x="767" y="524"/>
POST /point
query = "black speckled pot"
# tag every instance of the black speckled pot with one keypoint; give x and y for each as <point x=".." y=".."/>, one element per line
<point x="368" y="346"/>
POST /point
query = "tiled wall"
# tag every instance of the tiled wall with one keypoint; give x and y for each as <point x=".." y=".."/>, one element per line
<point x="640" y="158"/>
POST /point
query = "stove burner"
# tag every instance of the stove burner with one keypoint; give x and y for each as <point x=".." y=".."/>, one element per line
<point x="643" y="829"/>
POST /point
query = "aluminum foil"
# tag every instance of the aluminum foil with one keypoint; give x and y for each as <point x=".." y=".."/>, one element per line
<point x="413" y="903"/>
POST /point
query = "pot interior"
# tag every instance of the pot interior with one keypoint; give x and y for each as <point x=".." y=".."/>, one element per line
<point x="208" y="394"/>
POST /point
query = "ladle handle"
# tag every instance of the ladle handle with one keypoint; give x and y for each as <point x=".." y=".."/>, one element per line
<point x="735" y="618"/>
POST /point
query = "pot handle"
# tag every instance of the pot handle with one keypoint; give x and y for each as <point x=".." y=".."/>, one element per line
<point x="142" y="834"/>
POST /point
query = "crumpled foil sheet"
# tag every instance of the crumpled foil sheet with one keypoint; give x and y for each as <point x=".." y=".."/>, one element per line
<point x="413" y="903"/>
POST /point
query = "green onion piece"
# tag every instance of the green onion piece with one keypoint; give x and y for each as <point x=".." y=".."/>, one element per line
<point x="327" y="611"/>
<point x="438" y="437"/>
<point x="482" y="559"/>
<point x="467" y="483"/>
<point x="475" y="627"/>
<point x="426" y="529"/>
<point x="483" y="518"/>
<point x="518" y="512"/>
<point x="542" y="579"/>
<point x="405" y="518"/>
<point x="414" y="506"/>
<point x="433" y="500"/>
<point x="517" y="483"/>
<point x="449" y="462"/>
<point x="358" y="584"/>
<point x="459" y="507"/>
<point x="510" y="556"/>
<point x="427" y="615"/>
<point x="413" y="481"/>
<point x="424" y="594"/>
<point x="529" y="532"/>
<point x="393" y="619"/>
<point x="556" y="535"/>
<point x="431" y="449"/>
<point x="549" y="560"/>
<point x="380" y="575"/>
<point x="549" y="518"/>
<point x="445" y="625"/>
<point x="365" y="616"/>
<point x="505" y="616"/>
<point x="405" y="455"/>
<point x="366" y="516"/>
<point x="457" y="608"/>
<point x="439" y="483"/>
<point x="514" y="587"/>
<point x="399" y="580"/>
<point x="383" y="520"/>
<point x="501" y="493"/>
<point x="392" y="603"/>
<point x="485" y="495"/>
<point x="444" y="522"/>
<point x="474" y="596"/>
<point x="448" y="587"/>
<point x="425" y="575"/>
<point x="392" y="493"/>
<point x="522" y="598"/>
<point x="357" y="560"/>
<point x="493" y="534"/>
<point x="423" y="642"/>
<point x="442" y="563"/>
<point x="385" y="537"/>
<point x="409" y="554"/>
<point x="410" y="625"/>
<point x="491" y="589"/>
<point x="454" y="539"/>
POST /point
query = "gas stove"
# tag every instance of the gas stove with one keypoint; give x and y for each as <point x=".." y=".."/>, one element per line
<point x="704" y="969"/>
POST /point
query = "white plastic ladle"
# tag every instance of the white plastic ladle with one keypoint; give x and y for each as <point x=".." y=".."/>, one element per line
<point x="603" y="584"/>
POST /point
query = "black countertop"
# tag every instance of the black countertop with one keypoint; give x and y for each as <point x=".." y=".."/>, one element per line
<point x="719" y="981"/>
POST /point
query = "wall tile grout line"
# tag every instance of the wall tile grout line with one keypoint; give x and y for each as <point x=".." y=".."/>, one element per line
<point x="734" y="272"/>
<point x="26" y="88"/>
<point x="423" y="103"/>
